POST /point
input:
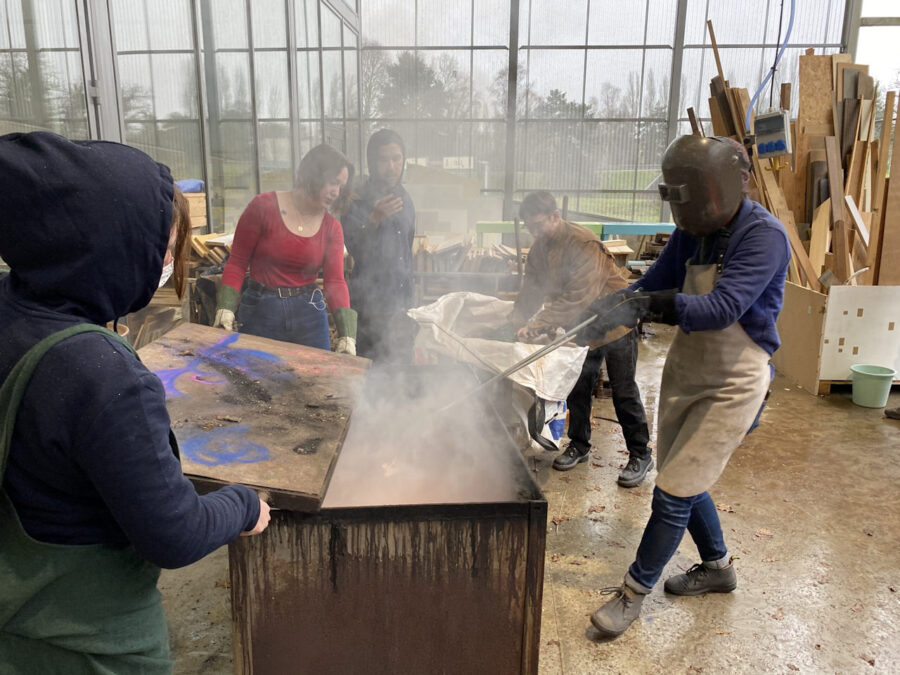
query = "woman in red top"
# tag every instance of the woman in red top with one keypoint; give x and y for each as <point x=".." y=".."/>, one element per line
<point x="285" y="238"/>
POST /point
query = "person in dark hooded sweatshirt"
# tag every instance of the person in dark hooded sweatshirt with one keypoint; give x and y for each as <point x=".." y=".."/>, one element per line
<point x="93" y="499"/>
<point x="379" y="227"/>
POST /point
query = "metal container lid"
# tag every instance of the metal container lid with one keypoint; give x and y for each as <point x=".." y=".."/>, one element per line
<point x="270" y="415"/>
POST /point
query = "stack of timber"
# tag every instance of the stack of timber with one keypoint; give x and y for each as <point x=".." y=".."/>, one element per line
<point x="210" y="249"/>
<point x="842" y="216"/>
<point x="461" y="256"/>
<point x="838" y="182"/>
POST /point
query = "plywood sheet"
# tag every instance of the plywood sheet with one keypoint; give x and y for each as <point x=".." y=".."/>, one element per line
<point x="245" y="409"/>
<point x="862" y="326"/>
<point x="800" y="329"/>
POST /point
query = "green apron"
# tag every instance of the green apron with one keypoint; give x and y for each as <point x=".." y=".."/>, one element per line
<point x="71" y="609"/>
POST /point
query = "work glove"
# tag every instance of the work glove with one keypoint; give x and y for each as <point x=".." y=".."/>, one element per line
<point x="225" y="319"/>
<point x="659" y="306"/>
<point x="345" y="322"/>
<point x="626" y="308"/>
<point x="345" y="345"/>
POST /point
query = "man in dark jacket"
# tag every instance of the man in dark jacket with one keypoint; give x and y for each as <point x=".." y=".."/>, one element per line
<point x="378" y="231"/>
<point x="93" y="499"/>
<point x="567" y="269"/>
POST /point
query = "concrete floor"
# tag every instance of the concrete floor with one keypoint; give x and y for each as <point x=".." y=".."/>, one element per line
<point x="810" y="503"/>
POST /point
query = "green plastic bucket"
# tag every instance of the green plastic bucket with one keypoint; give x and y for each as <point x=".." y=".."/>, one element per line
<point x="872" y="385"/>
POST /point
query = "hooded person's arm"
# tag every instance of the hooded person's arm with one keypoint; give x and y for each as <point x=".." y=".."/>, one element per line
<point x="123" y="447"/>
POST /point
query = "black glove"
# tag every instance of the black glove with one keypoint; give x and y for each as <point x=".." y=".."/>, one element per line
<point x="614" y="310"/>
<point x="659" y="306"/>
<point x="625" y="308"/>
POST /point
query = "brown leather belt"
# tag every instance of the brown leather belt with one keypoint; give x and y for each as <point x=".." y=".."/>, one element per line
<point x="281" y="291"/>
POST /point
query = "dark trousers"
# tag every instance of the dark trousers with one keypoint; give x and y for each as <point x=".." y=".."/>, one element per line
<point x="671" y="516"/>
<point x="621" y="362"/>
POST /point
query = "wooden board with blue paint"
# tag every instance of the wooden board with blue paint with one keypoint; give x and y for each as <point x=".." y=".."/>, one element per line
<point x="271" y="415"/>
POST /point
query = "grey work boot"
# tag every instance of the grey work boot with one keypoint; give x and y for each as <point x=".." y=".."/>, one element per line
<point x="701" y="579"/>
<point x="614" y="618"/>
<point x="633" y="473"/>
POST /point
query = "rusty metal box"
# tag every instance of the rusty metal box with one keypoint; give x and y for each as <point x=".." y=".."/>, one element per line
<point x="436" y="579"/>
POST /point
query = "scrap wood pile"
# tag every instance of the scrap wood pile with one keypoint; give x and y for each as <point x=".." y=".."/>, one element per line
<point x="210" y="249"/>
<point x="836" y="151"/>
<point x="459" y="254"/>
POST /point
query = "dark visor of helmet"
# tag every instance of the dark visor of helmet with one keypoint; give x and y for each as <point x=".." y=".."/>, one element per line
<point x="677" y="194"/>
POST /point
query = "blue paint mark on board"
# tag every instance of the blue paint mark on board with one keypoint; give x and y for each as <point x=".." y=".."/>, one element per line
<point x="225" y="446"/>
<point x="204" y="368"/>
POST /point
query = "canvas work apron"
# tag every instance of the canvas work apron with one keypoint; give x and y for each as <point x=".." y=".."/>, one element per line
<point x="713" y="385"/>
<point x="71" y="609"/>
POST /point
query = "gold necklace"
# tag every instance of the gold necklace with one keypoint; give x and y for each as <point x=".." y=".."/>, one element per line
<point x="299" y="214"/>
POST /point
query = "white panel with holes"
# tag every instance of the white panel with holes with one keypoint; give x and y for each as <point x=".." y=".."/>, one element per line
<point x="862" y="325"/>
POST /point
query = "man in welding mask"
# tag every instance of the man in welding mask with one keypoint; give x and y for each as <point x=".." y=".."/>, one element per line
<point x="379" y="228"/>
<point x="720" y="279"/>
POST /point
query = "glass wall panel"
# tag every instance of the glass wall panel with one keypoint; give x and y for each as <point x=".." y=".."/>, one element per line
<point x="556" y="23"/>
<point x="443" y="23"/>
<point x="554" y="82"/>
<point x="489" y="83"/>
<point x="331" y="28"/>
<point x="491" y="22"/>
<point x="269" y="24"/>
<point x="41" y="79"/>
<point x="616" y="22"/>
<point x="333" y="78"/>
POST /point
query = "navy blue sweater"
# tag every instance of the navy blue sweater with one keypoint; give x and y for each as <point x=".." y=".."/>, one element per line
<point x="382" y="278"/>
<point x="751" y="287"/>
<point x="84" y="227"/>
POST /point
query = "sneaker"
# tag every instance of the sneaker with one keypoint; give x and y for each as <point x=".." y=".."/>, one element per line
<point x="633" y="473"/>
<point x="701" y="579"/>
<point x="571" y="456"/>
<point x="614" y="618"/>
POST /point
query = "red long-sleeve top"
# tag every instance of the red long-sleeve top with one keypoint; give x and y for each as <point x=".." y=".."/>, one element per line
<point x="278" y="257"/>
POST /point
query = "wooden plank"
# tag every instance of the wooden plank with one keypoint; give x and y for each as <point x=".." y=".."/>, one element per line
<point x="819" y="237"/>
<point x="780" y="210"/>
<point x="849" y="130"/>
<point x="840" y="243"/>
<point x="292" y="405"/>
<point x="720" y="128"/>
<point x="857" y="220"/>
<point x="715" y="48"/>
<point x="878" y="191"/>
<point x="696" y="127"/>
<point x="889" y="274"/>
<point x="785" y="96"/>
<point x="815" y="97"/>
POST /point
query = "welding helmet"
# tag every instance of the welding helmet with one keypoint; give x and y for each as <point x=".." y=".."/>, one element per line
<point x="703" y="180"/>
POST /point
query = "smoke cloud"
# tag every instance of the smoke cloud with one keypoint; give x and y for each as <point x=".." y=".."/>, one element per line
<point x="405" y="447"/>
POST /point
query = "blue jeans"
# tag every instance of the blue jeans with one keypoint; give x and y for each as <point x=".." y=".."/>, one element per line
<point x="301" y="319"/>
<point x="671" y="516"/>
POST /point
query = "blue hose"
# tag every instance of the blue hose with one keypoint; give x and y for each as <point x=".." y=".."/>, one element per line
<point x="787" y="36"/>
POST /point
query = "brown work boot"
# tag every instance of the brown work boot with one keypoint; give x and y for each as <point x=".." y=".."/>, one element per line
<point x="614" y="618"/>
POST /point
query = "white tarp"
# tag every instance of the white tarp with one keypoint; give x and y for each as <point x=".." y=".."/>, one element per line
<point x="447" y="324"/>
